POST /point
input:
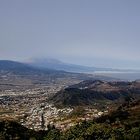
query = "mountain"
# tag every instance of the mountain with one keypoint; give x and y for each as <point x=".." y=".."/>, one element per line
<point x="7" y="66"/>
<point x="18" y="68"/>
<point x="16" y="74"/>
<point x="22" y="76"/>
<point x="58" y="65"/>
<point x="32" y="72"/>
<point x="92" y="91"/>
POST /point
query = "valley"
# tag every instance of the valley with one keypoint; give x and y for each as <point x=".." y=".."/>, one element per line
<point x="64" y="106"/>
<point x="40" y="100"/>
<point x="32" y="109"/>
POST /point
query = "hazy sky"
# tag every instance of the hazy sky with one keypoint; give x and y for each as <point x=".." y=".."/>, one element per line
<point x="103" y="33"/>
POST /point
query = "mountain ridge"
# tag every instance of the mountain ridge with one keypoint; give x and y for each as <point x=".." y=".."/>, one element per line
<point x="59" y="65"/>
<point x="92" y="91"/>
<point x="14" y="67"/>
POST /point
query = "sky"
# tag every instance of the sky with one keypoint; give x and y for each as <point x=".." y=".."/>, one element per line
<point x="101" y="33"/>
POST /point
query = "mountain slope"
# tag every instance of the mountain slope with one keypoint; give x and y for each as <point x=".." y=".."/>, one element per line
<point x="21" y="68"/>
<point x="58" y="65"/>
<point x="14" y="74"/>
<point x="89" y="92"/>
<point x="120" y="124"/>
<point x="12" y="68"/>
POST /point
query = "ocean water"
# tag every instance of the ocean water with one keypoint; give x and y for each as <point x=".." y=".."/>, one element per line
<point x="120" y="75"/>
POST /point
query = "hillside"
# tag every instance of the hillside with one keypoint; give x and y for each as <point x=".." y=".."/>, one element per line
<point x="11" y="130"/>
<point x="7" y="66"/>
<point x="120" y="124"/>
<point x="92" y="91"/>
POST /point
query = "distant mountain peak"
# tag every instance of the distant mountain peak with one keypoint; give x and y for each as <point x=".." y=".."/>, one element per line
<point x="48" y="60"/>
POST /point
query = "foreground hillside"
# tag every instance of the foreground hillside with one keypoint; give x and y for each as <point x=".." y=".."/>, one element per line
<point x="123" y="123"/>
<point x="93" y="91"/>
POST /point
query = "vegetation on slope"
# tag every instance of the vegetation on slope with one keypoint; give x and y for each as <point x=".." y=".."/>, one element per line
<point x="124" y="123"/>
<point x="90" y="92"/>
